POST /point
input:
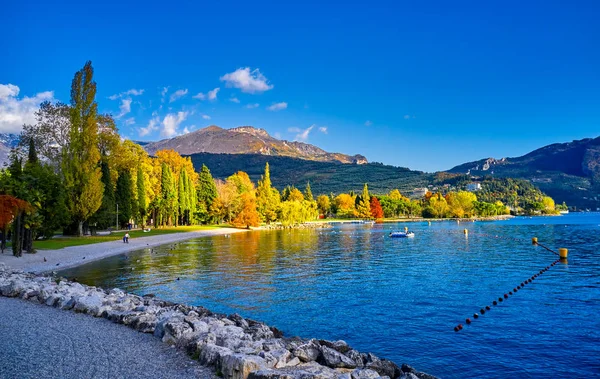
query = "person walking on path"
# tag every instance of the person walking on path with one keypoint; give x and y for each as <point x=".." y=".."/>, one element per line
<point x="126" y="238"/>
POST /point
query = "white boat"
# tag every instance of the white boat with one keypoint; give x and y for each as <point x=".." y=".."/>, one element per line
<point x="402" y="234"/>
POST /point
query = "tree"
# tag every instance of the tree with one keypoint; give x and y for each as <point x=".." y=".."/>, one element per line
<point x="267" y="197"/>
<point x="308" y="193"/>
<point x="438" y="207"/>
<point x="344" y="204"/>
<point x="183" y="200"/>
<point x="376" y="211"/>
<point x="141" y="196"/>
<point x="104" y="217"/>
<point x="206" y="193"/>
<point x="51" y="132"/>
<point x="549" y="206"/>
<point x="248" y="215"/>
<point x="363" y="208"/>
<point x="167" y="200"/>
<point x="10" y="208"/>
<point x="395" y="195"/>
<point x="461" y="203"/>
<point x="323" y="204"/>
<point x="124" y="197"/>
<point x="80" y="158"/>
<point x="295" y="195"/>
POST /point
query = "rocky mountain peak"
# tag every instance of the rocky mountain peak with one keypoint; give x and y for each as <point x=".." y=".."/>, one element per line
<point x="258" y="132"/>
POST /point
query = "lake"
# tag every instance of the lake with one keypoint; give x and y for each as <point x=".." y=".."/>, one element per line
<point x="398" y="298"/>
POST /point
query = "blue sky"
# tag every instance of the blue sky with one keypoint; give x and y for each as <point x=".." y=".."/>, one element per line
<point x="426" y="85"/>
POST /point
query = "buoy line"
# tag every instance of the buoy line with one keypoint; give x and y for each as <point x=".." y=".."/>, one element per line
<point x="534" y="241"/>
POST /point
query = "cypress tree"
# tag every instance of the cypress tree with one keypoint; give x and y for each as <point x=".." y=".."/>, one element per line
<point x="104" y="217"/>
<point x="168" y="196"/>
<point x="183" y="195"/>
<point x="123" y="197"/>
<point x="206" y="191"/>
<point x="141" y="196"/>
<point x="363" y="208"/>
<point x="308" y="193"/>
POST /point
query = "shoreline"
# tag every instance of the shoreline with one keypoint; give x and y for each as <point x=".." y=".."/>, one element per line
<point x="73" y="256"/>
<point x="233" y="346"/>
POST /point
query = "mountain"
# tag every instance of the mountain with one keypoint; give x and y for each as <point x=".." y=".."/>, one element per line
<point x="7" y="142"/>
<point x="246" y="140"/>
<point x="567" y="172"/>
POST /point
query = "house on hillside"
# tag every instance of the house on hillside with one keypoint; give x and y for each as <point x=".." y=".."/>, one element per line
<point x="473" y="187"/>
<point x="419" y="192"/>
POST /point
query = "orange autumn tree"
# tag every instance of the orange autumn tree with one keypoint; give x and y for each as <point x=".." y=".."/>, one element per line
<point x="248" y="216"/>
<point x="376" y="210"/>
<point x="10" y="207"/>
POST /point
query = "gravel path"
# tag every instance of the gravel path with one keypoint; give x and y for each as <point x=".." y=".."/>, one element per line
<point x="43" y="342"/>
<point x="77" y="255"/>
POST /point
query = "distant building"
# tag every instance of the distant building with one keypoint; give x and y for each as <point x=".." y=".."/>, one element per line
<point x="473" y="187"/>
<point x="419" y="192"/>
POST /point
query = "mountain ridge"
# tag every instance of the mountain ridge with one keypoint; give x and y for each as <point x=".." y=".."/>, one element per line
<point x="569" y="171"/>
<point x="247" y="140"/>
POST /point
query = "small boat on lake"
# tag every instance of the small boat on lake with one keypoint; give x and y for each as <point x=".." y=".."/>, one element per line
<point x="402" y="234"/>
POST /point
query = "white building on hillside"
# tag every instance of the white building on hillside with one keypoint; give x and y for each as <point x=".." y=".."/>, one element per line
<point x="473" y="187"/>
<point x="419" y="192"/>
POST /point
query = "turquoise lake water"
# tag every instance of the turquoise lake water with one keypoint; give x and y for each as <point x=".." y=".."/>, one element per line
<point x="398" y="298"/>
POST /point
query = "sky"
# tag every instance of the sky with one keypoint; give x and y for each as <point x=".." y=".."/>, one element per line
<point x="426" y="85"/>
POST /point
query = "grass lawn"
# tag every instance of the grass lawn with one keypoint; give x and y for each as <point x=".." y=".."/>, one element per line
<point x="60" y="242"/>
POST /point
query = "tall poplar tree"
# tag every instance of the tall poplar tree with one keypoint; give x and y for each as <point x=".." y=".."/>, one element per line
<point x="81" y="157"/>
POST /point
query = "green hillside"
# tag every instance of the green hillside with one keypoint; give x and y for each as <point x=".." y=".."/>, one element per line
<point x="324" y="177"/>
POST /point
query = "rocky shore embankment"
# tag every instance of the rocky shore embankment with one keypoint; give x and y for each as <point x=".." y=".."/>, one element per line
<point x="235" y="347"/>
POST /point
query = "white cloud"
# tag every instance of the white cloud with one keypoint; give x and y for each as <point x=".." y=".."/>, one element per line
<point x="407" y="116"/>
<point x="178" y="94"/>
<point x="8" y="90"/>
<point x="247" y="81"/>
<point x="277" y="106"/>
<point x="15" y="112"/>
<point x="210" y="95"/>
<point x="152" y="126"/>
<point x="124" y="108"/>
<point x="323" y="129"/>
<point x="134" y="92"/>
<point x="163" y="94"/>
<point x="277" y="135"/>
<point x="252" y="106"/>
<point x="294" y="129"/>
<point x="171" y="122"/>
<point x="129" y="92"/>
<point x="206" y="117"/>
<point x="302" y="135"/>
<point x="130" y="121"/>
<point x="234" y="100"/>
<point x="368" y="123"/>
<point x="185" y="130"/>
